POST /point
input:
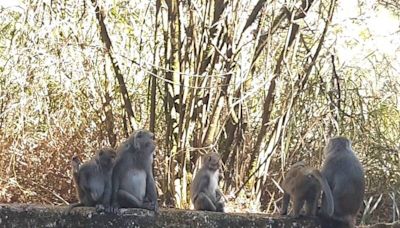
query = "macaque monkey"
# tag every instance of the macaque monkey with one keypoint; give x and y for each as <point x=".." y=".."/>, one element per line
<point x="132" y="179"/>
<point x="345" y="176"/>
<point x="93" y="180"/>
<point x="304" y="184"/>
<point x="204" y="191"/>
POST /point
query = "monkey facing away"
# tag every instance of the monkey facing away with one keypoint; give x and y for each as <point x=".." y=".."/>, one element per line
<point x="204" y="192"/>
<point x="132" y="179"/>
<point x="93" y="180"/>
<point x="345" y="176"/>
<point x="303" y="185"/>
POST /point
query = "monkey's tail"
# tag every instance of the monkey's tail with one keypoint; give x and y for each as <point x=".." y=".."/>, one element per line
<point x="327" y="190"/>
<point x="336" y="222"/>
<point x="72" y="206"/>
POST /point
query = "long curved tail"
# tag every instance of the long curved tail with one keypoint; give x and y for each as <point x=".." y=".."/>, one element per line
<point x="329" y="208"/>
<point x="336" y="222"/>
<point x="72" y="206"/>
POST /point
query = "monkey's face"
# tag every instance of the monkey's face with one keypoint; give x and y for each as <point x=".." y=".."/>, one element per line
<point x="106" y="157"/>
<point x="212" y="161"/>
<point x="75" y="163"/>
<point x="144" y="141"/>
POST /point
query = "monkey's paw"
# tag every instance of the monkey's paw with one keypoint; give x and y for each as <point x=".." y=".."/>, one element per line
<point x="220" y="207"/>
<point x="283" y="212"/>
<point x="114" y="210"/>
<point x="110" y="209"/>
<point x="100" y="208"/>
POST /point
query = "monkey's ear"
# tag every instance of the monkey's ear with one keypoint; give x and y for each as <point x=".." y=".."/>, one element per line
<point x="76" y="158"/>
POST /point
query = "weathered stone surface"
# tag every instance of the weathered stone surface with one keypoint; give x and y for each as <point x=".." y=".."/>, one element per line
<point x="24" y="215"/>
<point x="384" y="225"/>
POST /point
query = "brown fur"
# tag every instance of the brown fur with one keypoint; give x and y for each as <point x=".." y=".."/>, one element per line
<point x="303" y="185"/>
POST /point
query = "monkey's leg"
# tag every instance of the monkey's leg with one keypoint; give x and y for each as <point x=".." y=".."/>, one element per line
<point x="285" y="203"/>
<point x="312" y="203"/>
<point x="297" y="205"/>
<point x="204" y="203"/>
<point x="106" y="201"/>
<point x="130" y="199"/>
<point x="311" y="207"/>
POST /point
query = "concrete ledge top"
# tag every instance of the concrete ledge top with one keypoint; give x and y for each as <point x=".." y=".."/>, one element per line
<point x="28" y="215"/>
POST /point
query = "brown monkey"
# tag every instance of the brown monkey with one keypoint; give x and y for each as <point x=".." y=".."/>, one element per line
<point x="93" y="180"/>
<point x="132" y="179"/>
<point x="345" y="176"/>
<point x="303" y="184"/>
<point x="204" y="191"/>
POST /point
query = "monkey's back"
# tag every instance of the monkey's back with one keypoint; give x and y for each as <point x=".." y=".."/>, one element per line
<point x="194" y="186"/>
<point x="301" y="182"/>
<point x="92" y="180"/>
<point x="345" y="176"/>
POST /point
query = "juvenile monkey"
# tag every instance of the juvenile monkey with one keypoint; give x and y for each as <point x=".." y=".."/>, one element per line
<point x="93" y="180"/>
<point x="345" y="176"/>
<point x="304" y="184"/>
<point x="132" y="179"/>
<point x="204" y="191"/>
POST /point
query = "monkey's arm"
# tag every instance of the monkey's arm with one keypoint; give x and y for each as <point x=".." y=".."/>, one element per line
<point x="219" y="195"/>
<point x="220" y="203"/>
<point x="151" y="191"/>
<point x="285" y="203"/>
<point x="107" y="191"/>
<point x="115" y="183"/>
<point x="203" y="182"/>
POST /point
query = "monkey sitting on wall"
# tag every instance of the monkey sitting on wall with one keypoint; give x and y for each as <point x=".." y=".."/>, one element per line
<point x="133" y="183"/>
<point x="303" y="185"/>
<point x="345" y="176"/>
<point x="204" y="192"/>
<point x="93" y="180"/>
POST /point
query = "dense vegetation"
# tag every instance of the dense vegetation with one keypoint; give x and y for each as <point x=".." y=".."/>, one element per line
<point x="263" y="83"/>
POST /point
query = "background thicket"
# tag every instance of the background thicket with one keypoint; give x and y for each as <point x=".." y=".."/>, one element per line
<point x="264" y="83"/>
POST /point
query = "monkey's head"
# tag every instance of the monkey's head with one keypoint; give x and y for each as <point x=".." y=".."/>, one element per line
<point x="143" y="141"/>
<point x="106" y="157"/>
<point x="298" y="165"/>
<point x="212" y="161"/>
<point x="339" y="143"/>
<point x="75" y="162"/>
